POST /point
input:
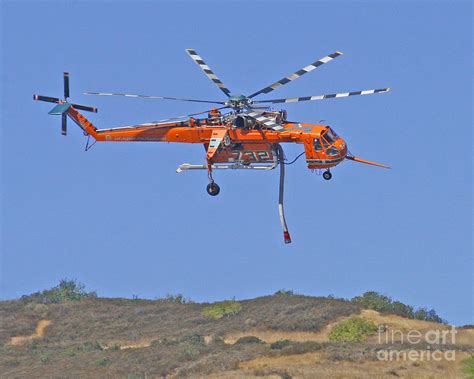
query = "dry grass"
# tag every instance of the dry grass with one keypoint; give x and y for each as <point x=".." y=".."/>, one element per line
<point x="38" y="333"/>
<point x="133" y="338"/>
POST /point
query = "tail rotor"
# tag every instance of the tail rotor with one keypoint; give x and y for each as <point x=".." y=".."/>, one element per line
<point x="62" y="105"/>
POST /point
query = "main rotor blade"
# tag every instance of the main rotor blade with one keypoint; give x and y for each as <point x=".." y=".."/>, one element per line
<point x="64" y="124"/>
<point x="322" y="97"/>
<point x="85" y="107"/>
<point x="152" y="97"/>
<point x="207" y="70"/>
<point x="66" y="85"/>
<point x="297" y="74"/>
<point x="46" y="98"/>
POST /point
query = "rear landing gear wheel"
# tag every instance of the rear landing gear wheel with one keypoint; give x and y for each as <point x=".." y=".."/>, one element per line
<point x="213" y="189"/>
<point x="327" y="175"/>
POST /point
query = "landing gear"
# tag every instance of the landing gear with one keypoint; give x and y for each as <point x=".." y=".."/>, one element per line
<point x="327" y="175"/>
<point x="213" y="189"/>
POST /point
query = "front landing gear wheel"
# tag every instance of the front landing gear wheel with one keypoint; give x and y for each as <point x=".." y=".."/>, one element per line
<point x="327" y="175"/>
<point x="213" y="189"/>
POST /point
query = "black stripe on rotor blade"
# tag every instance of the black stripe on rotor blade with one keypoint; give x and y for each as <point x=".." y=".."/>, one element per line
<point x="85" y="108"/>
<point x="66" y="85"/>
<point x="296" y="74"/>
<point x="207" y="70"/>
<point x="321" y="97"/>
<point x="46" y="98"/>
<point x="64" y="124"/>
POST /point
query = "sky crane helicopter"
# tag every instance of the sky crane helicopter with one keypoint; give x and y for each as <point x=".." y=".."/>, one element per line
<point x="247" y="137"/>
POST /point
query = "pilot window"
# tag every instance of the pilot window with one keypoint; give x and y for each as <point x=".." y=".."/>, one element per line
<point x="317" y="145"/>
<point x="329" y="137"/>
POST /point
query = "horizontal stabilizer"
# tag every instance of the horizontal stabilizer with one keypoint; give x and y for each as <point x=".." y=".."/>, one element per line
<point x="60" y="109"/>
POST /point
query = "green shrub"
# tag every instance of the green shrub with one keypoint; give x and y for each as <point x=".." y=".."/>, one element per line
<point x="278" y="345"/>
<point x="45" y="358"/>
<point x="102" y="362"/>
<point x="91" y="346"/>
<point x="401" y="309"/>
<point x="373" y="300"/>
<point x="249" y="340"/>
<point x="194" y="340"/>
<point x="67" y="290"/>
<point x="381" y="303"/>
<point x="468" y="367"/>
<point x="69" y="353"/>
<point x="354" y="329"/>
<point x="221" y="309"/>
<point x="428" y="315"/>
<point x="284" y="292"/>
<point x="177" y="299"/>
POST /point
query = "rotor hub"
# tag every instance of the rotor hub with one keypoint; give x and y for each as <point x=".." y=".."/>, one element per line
<point x="239" y="102"/>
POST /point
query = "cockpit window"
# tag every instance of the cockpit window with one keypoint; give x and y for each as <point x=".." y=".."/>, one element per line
<point x="328" y="136"/>
<point x="333" y="133"/>
<point x="332" y="151"/>
<point x="317" y="145"/>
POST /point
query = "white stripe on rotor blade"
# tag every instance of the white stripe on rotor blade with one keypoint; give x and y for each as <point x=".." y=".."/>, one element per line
<point x="367" y="92"/>
<point x="319" y="97"/>
<point x="342" y="94"/>
<point x="326" y="59"/>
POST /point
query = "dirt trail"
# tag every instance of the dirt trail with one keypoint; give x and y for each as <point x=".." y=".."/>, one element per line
<point x="464" y="337"/>
<point x="39" y="333"/>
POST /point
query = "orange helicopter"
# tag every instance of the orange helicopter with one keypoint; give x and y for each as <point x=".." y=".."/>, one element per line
<point x="248" y="137"/>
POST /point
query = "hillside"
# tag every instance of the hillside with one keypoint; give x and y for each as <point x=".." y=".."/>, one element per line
<point x="279" y="336"/>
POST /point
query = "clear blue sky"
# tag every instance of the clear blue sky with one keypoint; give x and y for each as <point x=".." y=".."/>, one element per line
<point x="120" y="220"/>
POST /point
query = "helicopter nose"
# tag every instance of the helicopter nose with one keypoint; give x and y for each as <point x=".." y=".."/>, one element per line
<point x="341" y="145"/>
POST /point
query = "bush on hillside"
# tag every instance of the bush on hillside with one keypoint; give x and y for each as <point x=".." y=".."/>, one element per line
<point x="355" y="329"/>
<point x="67" y="290"/>
<point x="281" y="344"/>
<point x="221" y="309"/>
<point x="468" y="367"/>
<point x="249" y="340"/>
<point x="373" y="300"/>
<point x="284" y="292"/>
<point x="428" y="315"/>
<point x="177" y="299"/>
<point x="381" y="303"/>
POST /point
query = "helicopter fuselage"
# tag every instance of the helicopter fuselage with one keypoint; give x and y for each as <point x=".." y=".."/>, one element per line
<point x="244" y="145"/>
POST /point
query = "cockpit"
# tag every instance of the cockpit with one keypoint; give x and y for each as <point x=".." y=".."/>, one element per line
<point x="326" y="142"/>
